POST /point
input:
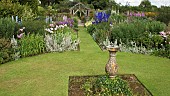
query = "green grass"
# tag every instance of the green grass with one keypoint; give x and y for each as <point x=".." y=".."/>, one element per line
<point x="48" y="74"/>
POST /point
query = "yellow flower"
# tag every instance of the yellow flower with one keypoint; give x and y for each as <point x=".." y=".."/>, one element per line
<point x="88" y="23"/>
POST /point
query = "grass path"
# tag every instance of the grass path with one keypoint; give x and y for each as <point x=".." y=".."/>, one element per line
<point x="48" y="74"/>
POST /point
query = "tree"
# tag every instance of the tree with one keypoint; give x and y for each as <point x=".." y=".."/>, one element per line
<point x="49" y="2"/>
<point x="145" y="5"/>
<point x="164" y="14"/>
<point x="32" y="3"/>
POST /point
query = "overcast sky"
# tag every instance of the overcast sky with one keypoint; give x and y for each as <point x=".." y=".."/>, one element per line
<point x="137" y="2"/>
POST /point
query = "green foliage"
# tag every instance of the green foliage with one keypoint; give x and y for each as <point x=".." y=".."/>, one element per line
<point x="165" y="51"/>
<point x="34" y="26"/>
<point x="140" y="31"/>
<point x="162" y="52"/>
<point x="144" y="32"/>
<point x="117" y="18"/>
<point x="6" y="51"/>
<point x="7" y="27"/>
<point x="145" y="4"/>
<point x="99" y="31"/>
<point x="100" y="4"/>
<point x="163" y="15"/>
<point x="8" y="9"/>
<point x="33" y="4"/>
<point x="128" y="31"/>
<point x="41" y="11"/>
<point x="155" y="27"/>
<point x="105" y="86"/>
<point x="91" y="29"/>
<point x="27" y="13"/>
<point x="64" y="32"/>
<point x="31" y="45"/>
<point x="75" y="24"/>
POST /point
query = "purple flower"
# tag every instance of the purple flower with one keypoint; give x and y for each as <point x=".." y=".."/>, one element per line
<point x="130" y="14"/>
<point x="64" y="18"/>
<point x="143" y="14"/>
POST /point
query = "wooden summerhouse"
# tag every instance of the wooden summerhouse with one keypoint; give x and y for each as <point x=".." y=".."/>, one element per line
<point x="79" y="7"/>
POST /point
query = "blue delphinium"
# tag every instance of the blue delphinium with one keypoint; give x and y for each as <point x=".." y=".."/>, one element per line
<point x="101" y="17"/>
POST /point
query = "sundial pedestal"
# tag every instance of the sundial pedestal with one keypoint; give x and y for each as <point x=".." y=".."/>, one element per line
<point x="111" y="67"/>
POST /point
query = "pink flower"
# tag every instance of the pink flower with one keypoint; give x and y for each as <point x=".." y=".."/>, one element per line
<point x="20" y="35"/>
<point x="51" y="25"/>
<point x="162" y="33"/>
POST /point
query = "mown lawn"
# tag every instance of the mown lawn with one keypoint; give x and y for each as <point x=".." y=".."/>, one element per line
<point x="48" y="74"/>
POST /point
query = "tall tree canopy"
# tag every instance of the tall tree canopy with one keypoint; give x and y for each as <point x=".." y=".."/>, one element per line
<point x="145" y="5"/>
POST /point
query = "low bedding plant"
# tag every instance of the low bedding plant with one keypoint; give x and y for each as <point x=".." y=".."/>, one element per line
<point x="105" y="86"/>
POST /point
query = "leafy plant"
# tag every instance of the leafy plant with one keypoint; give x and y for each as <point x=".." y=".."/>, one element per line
<point x="117" y="18"/>
<point x="27" y="13"/>
<point x="155" y="27"/>
<point x="10" y="8"/>
<point x="31" y="45"/>
<point x="75" y="24"/>
<point x="105" y="86"/>
<point x="99" y="31"/>
<point x="91" y="29"/>
<point x="6" y="51"/>
<point x="7" y="27"/>
<point x="34" y="27"/>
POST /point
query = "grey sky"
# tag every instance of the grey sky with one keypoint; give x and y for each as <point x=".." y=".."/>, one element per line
<point x="137" y="2"/>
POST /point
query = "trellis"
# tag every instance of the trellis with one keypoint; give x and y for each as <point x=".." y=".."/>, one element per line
<point x="79" y="7"/>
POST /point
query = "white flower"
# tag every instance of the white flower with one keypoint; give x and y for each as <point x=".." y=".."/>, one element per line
<point x="51" y="28"/>
<point x="61" y="26"/>
<point x="65" y="25"/>
<point x="48" y="30"/>
<point x="55" y="28"/>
